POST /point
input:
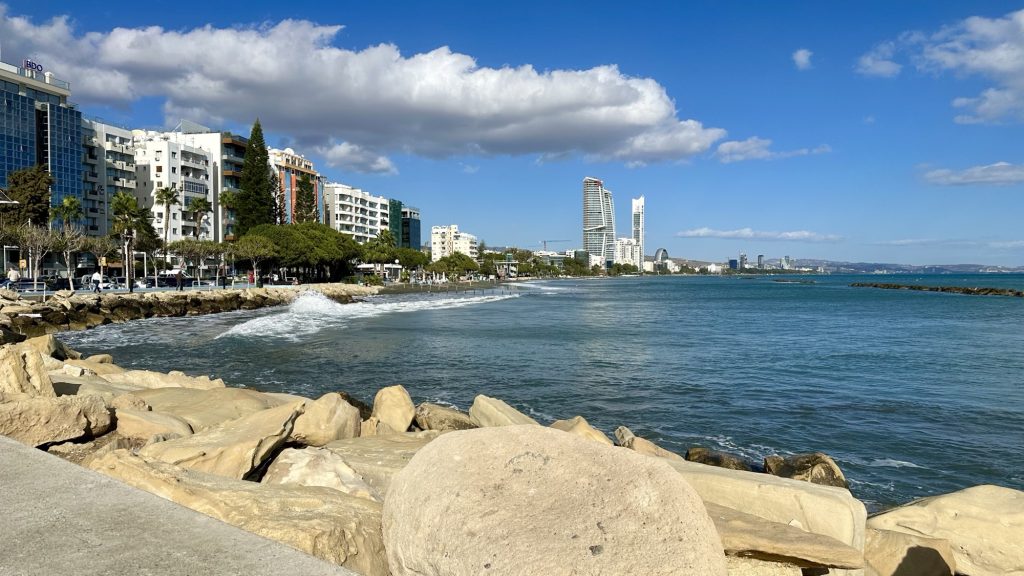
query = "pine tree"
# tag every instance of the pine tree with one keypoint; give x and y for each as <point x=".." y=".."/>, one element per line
<point x="305" y="201"/>
<point x="30" y="188"/>
<point x="255" y="202"/>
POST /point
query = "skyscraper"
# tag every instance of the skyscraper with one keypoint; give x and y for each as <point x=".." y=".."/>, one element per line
<point x="638" y="230"/>
<point x="598" y="220"/>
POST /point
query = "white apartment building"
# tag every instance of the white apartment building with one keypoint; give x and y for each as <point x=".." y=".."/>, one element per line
<point x="162" y="161"/>
<point x="447" y="240"/>
<point x="628" y="251"/>
<point x="355" y="212"/>
<point x="109" y="169"/>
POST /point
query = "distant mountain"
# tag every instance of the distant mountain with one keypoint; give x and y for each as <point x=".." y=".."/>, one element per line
<point x="882" y="268"/>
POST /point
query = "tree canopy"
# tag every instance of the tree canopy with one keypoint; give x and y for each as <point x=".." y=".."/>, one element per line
<point x="305" y="201"/>
<point x="316" y="248"/>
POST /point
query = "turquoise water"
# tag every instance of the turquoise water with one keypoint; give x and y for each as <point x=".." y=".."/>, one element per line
<point x="912" y="393"/>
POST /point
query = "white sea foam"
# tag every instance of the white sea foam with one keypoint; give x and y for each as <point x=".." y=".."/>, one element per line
<point x="312" y="311"/>
<point x="891" y="463"/>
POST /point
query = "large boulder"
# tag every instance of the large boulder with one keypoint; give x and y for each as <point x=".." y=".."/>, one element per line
<point x="204" y="409"/>
<point x="442" y="418"/>
<point x="750" y="536"/>
<point x="889" y="553"/>
<point x="579" y="426"/>
<point x="65" y="384"/>
<point x="327" y="419"/>
<point x="40" y="421"/>
<point x="823" y="510"/>
<point x="173" y="379"/>
<point x="23" y="373"/>
<point x="394" y="407"/>
<point x="815" y="467"/>
<point x="627" y="439"/>
<point x="984" y="525"/>
<point x="142" y="424"/>
<point x="531" y="500"/>
<point x="323" y="522"/>
<point x="101" y="368"/>
<point x="235" y="448"/>
<point x="487" y="411"/>
<point x="378" y="458"/>
<point x="715" y="458"/>
<point x="318" y="467"/>
<point x="50" y="346"/>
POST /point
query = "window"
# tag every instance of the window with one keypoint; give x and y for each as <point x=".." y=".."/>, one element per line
<point x="174" y="169"/>
<point x="159" y="169"/>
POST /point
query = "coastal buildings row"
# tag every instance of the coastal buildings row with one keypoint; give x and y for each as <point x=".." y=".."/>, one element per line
<point x="93" y="160"/>
<point x="599" y="238"/>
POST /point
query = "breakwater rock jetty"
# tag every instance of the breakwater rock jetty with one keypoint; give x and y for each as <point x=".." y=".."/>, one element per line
<point x="970" y="291"/>
<point x="22" y="318"/>
<point x="395" y="488"/>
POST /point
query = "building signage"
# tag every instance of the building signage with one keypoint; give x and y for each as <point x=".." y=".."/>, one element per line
<point x="30" y="65"/>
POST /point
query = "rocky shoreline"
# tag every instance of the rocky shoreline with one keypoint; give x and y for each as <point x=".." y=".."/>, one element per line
<point x="22" y="318"/>
<point x="393" y="487"/>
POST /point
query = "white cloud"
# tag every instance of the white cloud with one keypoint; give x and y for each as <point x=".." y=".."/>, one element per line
<point x="751" y="234"/>
<point x="998" y="174"/>
<point x="802" y="59"/>
<point x="989" y="48"/>
<point x="755" y="148"/>
<point x="437" y="103"/>
<point x="1007" y="245"/>
<point x="879" y="62"/>
<point x="356" y="158"/>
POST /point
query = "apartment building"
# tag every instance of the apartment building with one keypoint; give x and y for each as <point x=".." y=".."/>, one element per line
<point x="448" y="240"/>
<point x="162" y="160"/>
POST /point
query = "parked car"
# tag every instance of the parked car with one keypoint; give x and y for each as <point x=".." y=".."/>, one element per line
<point x="85" y="283"/>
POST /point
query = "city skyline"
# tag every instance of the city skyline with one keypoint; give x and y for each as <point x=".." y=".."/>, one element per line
<point x="867" y="133"/>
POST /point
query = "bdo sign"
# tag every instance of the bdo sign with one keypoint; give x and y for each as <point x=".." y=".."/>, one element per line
<point x="30" y="65"/>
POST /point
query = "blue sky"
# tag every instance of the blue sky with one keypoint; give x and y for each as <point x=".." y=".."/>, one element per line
<point x="869" y="131"/>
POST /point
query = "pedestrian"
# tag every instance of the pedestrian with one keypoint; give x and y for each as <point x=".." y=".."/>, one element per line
<point x="180" y="285"/>
<point x="13" y="275"/>
<point x="250" y="276"/>
<point x="96" y="279"/>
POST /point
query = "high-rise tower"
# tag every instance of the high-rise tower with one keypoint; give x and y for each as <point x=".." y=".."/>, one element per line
<point x="598" y="220"/>
<point x="638" y="230"/>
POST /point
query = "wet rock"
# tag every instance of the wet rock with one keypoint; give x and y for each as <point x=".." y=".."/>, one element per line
<point x="442" y="418"/>
<point x="816" y="468"/>
<point x="715" y="458"/>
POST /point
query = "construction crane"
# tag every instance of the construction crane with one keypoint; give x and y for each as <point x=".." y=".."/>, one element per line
<point x="545" y="243"/>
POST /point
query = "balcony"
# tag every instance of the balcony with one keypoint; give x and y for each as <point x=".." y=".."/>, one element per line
<point x="115" y="147"/>
<point x="92" y="177"/>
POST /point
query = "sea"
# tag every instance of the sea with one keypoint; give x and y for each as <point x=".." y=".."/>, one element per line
<point x="912" y="393"/>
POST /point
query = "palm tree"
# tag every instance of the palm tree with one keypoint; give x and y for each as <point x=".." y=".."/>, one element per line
<point x="69" y="211"/>
<point x="166" y="197"/>
<point x="198" y="207"/>
<point x="128" y="219"/>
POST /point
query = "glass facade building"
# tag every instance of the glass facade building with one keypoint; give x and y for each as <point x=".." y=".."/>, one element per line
<point x="39" y="127"/>
<point x="410" y="237"/>
<point x="598" y="220"/>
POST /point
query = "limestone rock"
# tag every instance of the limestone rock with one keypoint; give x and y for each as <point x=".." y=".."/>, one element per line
<point x="983" y="524"/>
<point x="750" y="567"/>
<point x="204" y="409"/>
<point x="715" y="458"/>
<point x="327" y="419"/>
<point x="130" y="401"/>
<point x="629" y="440"/>
<point x="326" y="523"/>
<point x="365" y="410"/>
<point x="889" y="553"/>
<point x="318" y="467"/>
<point x="442" y="418"/>
<point x="487" y="411"/>
<point x="233" y="449"/>
<point x="101" y="359"/>
<point x="66" y="385"/>
<point x="50" y="346"/>
<point x="815" y="467"/>
<point x="394" y="407"/>
<point x="579" y="426"/>
<point x="753" y="537"/>
<point x="173" y="379"/>
<point x="374" y="427"/>
<point x="39" y="421"/>
<point x="141" y="424"/>
<point x="22" y="373"/>
<point x="378" y="458"/>
<point x="824" y="510"/>
<point x="96" y="367"/>
<point x="531" y="500"/>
